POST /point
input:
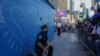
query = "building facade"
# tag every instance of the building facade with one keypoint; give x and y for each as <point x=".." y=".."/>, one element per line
<point x="21" y="22"/>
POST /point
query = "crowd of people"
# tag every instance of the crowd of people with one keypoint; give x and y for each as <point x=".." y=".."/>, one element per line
<point x="89" y="30"/>
<point x="68" y="27"/>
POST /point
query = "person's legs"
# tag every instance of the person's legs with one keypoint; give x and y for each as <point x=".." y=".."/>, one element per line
<point x="50" y="51"/>
<point x="58" y="31"/>
<point x="39" y="52"/>
<point x="97" y="47"/>
<point x="69" y="31"/>
<point x="93" y="47"/>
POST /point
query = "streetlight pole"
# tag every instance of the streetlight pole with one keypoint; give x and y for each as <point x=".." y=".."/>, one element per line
<point x="57" y="8"/>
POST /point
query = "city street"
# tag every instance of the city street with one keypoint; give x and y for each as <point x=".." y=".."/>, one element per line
<point x="68" y="45"/>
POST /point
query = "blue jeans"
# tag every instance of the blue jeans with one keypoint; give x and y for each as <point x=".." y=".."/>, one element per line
<point x="97" y="43"/>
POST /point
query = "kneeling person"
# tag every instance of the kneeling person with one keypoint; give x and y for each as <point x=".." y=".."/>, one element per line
<point x="42" y="44"/>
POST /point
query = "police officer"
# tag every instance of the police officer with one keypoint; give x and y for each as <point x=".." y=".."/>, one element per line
<point x="42" y="44"/>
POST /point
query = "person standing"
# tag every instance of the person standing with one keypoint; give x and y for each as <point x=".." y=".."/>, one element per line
<point x="42" y="44"/>
<point x="96" y="32"/>
<point x="59" y="28"/>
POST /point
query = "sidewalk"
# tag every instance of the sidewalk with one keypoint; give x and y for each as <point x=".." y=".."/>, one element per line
<point x="67" y="45"/>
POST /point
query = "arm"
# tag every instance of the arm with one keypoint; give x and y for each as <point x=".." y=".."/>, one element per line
<point x="47" y="45"/>
<point x="41" y="46"/>
<point x="39" y="43"/>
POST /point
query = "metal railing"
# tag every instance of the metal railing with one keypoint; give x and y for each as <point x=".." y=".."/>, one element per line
<point x="89" y="42"/>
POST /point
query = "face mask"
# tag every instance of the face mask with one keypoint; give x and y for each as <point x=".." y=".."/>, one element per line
<point x="46" y="30"/>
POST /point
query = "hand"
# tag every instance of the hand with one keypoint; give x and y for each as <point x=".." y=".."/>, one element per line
<point x="34" y="54"/>
<point x="45" y="50"/>
<point x="47" y="46"/>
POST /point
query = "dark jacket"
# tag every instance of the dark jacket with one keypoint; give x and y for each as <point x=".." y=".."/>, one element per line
<point x="42" y="38"/>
